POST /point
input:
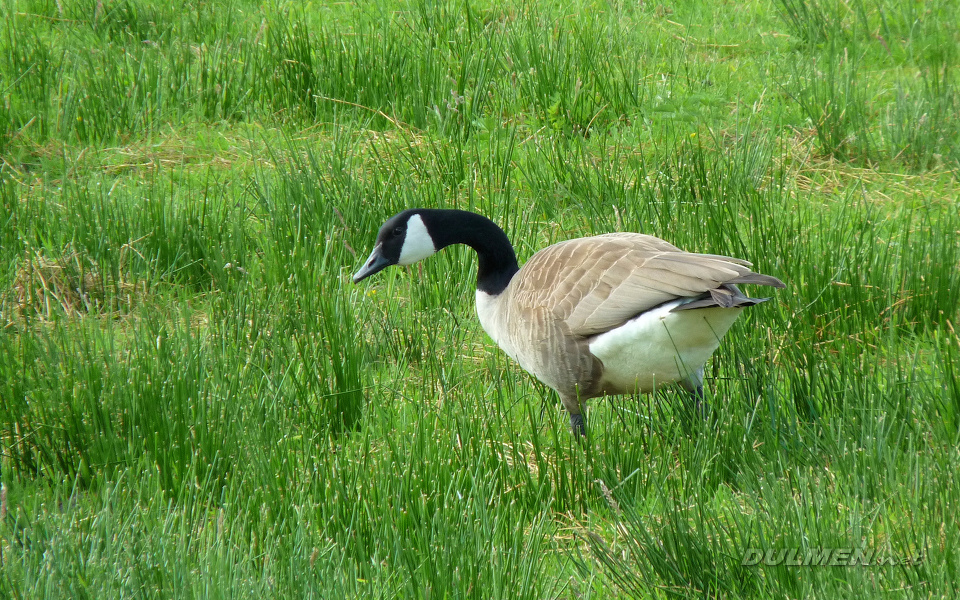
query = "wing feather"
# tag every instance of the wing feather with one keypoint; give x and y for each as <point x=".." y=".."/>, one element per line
<point x="597" y="283"/>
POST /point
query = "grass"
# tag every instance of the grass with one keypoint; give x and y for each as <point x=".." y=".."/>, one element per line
<point x="195" y="401"/>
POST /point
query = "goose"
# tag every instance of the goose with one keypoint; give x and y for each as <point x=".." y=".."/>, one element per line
<point x="619" y="313"/>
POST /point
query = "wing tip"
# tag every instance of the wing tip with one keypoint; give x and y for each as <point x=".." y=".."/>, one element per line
<point x="759" y="279"/>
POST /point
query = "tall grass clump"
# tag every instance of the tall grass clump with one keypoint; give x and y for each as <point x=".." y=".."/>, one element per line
<point x="811" y="20"/>
<point x="922" y="126"/>
<point x="912" y="126"/>
<point x="120" y="69"/>
<point x="70" y="411"/>
<point x="99" y="247"/>
<point x="580" y="76"/>
<point x="308" y="217"/>
<point x="917" y="35"/>
<point x="133" y="89"/>
<point x="427" y="70"/>
<point x="12" y="221"/>
<point x="831" y="96"/>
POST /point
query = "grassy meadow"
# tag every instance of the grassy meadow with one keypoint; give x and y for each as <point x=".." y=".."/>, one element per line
<point x="196" y="402"/>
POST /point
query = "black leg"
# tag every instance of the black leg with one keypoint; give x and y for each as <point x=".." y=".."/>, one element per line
<point x="578" y="425"/>
<point x="699" y="406"/>
<point x="694" y="384"/>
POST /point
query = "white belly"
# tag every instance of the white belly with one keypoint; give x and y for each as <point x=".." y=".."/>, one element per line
<point x="660" y="347"/>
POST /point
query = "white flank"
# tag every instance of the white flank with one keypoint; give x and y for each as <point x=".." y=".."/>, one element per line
<point x="417" y="244"/>
<point x="660" y="347"/>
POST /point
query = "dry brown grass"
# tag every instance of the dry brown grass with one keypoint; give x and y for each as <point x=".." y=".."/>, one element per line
<point x="824" y="175"/>
<point x="69" y="284"/>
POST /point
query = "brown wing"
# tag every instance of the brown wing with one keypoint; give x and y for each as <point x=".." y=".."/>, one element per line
<point x="597" y="283"/>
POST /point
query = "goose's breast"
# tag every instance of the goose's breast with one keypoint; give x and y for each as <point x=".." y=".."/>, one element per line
<point x="529" y="338"/>
<point x="659" y="347"/>
<point x="493" y="321"/>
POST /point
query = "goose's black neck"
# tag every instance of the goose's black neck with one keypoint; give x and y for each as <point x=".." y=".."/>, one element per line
<point x="497" y="260"/>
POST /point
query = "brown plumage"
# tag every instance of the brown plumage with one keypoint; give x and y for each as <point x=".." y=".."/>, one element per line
<point x="597" y="283"/>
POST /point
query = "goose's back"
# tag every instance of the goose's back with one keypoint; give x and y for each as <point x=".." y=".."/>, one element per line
<point x="597" y="283"/>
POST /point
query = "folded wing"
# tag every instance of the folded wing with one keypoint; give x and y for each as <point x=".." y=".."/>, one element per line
<point x="595" y="284"/>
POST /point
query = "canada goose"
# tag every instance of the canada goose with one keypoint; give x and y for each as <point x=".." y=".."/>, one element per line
<point x="611" y="314"/>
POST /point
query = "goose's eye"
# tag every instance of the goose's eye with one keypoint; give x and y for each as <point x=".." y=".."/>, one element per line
<point x="398" y="231"/>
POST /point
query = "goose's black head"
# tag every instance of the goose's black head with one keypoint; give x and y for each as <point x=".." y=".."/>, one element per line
<point x="403" y="240"/>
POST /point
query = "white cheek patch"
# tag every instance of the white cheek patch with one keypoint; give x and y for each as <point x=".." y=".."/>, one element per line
<point x="417" y="244"/>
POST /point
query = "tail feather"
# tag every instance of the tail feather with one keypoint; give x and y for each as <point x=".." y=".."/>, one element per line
<point x="725" y="296"/>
